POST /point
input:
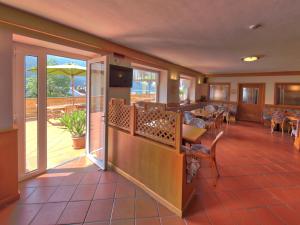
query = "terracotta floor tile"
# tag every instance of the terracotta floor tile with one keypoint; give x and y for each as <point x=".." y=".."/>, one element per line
<point x="72" y="179"/>
<point x="75" y="212"/>
<point x="197" y="220"/>
<point x="145" y="207"/>
<point x="40" y="195"/>
<point x="122" y="222"/>
<point x="26" y="192"/>
<point x="98" y="223"/>
<point x="258" y="186"/>
<point x="123" y="208"/>
<point x="163" y="211"/>
<point x="264" y="216"/>
<point x="288" y="215"/>
<point x="84" y="192"/>
<point x="148" y="221"/>
<point x="49" y="213"/>
<point x="256" y="198"/>
<point x="287" y="194"/>
<point x="91" y="178"/>
<point x="105" y="190"/>
<point x="109" y="177"/>
<point x="100" y="210"/>
<point x="19" y="214"/>
<point x="125" y="190"/>
<point x="62" y="194"/>
<point x="45" y="180"/>
<point x="243" y="217"/>
<point x="172" y="220"/>
<point x="140" y="193"/>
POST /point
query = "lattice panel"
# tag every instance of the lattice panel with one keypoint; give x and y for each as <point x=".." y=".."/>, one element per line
<point x="119" y="114"/>
<point x="157" y="125"/>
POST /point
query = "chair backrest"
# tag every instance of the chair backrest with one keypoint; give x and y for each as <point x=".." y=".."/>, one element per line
<point x="187" y="116"/>
<point x="197" y="122"/>
<point x="278" y="116"/>
<point x="214" y="144"/>
<point x="210" y="108"/>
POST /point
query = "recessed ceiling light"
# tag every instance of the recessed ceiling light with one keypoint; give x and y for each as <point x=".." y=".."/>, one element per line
<point x="250" y="58"/>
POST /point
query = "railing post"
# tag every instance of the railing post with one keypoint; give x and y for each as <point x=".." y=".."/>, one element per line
<point x="178" y="132"/>
<point x="132" y="119"/>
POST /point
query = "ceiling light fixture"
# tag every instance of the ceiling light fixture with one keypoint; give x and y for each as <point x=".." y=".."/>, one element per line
<point x="255" y="26"/>
<point x="250" y="58"/>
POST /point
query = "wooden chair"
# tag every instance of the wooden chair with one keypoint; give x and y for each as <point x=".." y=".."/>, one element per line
<point x="215" y="124"/>
<point x="199" y="151"/>
<point x="278" y="117"/>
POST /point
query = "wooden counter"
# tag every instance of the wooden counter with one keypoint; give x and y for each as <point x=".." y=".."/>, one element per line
<point x="8" y="166"/>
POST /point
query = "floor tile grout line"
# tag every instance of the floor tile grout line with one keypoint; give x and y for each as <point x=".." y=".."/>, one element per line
<point x="84" y="220"/>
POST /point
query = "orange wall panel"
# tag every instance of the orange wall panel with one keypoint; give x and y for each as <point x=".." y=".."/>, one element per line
<point x="8" y="166"/>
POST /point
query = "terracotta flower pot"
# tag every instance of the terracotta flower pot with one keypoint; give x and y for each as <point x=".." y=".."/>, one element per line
<point x="78" y="142"/>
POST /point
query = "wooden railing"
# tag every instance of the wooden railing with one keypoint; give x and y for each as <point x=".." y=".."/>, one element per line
<point x="150" y="122"/>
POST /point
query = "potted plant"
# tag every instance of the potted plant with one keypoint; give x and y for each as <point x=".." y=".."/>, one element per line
<point x="75" y="123"/>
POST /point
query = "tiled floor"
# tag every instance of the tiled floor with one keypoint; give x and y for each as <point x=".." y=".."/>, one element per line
<point x="259" y="185"/>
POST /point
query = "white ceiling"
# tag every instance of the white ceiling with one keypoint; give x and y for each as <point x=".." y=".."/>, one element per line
<point x="210" y="36"/>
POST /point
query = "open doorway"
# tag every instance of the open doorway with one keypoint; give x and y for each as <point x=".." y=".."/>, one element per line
<point x="66" y="109"/>
<point x="51" y="106"/>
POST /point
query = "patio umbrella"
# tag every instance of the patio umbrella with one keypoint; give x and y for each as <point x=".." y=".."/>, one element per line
<point x="70" y="69"/>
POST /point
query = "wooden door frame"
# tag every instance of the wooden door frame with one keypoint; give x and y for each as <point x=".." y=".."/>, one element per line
<point x="263" y="96"/>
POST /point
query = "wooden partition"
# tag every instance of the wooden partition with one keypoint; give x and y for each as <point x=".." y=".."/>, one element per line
<point x="8" y="166"/>
<point x="149" y="152"/>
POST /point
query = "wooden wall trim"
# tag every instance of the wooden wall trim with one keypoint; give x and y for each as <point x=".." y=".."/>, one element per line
<point x="284" y="106"/>
<point x="38" y="27"/>
<point x="279" y="73"/>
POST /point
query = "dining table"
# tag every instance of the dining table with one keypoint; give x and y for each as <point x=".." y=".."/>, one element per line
<point x="192" y="134"/>
<point x="201" y="113"/>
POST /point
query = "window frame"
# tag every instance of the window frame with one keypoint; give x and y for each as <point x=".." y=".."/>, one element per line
<point x="219" y="83"/>
<point x="157" y="80"/>
<point x="276" y="95"/>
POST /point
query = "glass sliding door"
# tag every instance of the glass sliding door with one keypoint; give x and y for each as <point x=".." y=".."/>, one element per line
<point x="97" y="105"/>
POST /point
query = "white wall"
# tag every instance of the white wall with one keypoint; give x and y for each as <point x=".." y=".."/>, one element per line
<point x="268" y="80"/>
<point x="6" y="60"/>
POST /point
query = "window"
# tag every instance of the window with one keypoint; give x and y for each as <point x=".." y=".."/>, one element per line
<point x="144" y="86"/>
<point x="219" y="92"/>
<point x="287" y="94"/>
<point x="250" y="95"/>
<point x="184" y="88"/>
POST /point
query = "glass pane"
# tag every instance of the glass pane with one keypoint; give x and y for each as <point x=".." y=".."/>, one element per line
<point x="31" y="113"/>
<point x="96" y="123"/>
<point x="219" y="92"/>
<point x="250" y="95"/>
<point x="288" y="94"/>
<point x="144" y="86"/>
<point x="66" y="109"/>
<point x="184" y="89"/>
